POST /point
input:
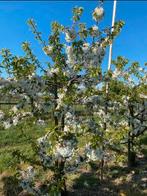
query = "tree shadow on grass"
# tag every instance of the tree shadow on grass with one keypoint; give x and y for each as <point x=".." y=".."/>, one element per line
<point x="124" y="182"/>
<point x="121" y="181"/>
<point x="11" y="186"/>
<point x="88" y="184"/>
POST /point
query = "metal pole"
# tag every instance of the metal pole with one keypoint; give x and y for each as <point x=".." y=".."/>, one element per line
<point x="113" y="20"/>
<point x="110" y="49"/>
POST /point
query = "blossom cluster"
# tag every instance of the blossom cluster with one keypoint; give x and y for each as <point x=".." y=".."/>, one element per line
<point x="87" y="56"/>
<point x="98" y="13"/>
<point x="94" y="154"/>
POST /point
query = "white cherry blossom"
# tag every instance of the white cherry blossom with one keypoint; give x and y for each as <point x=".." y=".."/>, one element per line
<point x="98" y="13"/>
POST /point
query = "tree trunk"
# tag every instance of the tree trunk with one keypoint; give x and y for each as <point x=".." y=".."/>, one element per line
<point x="60" y="163"/>
<point x="131" y="153"/>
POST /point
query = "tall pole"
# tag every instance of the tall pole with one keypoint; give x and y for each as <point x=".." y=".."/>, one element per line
<point x="107" y="86"/>
<point x="110" y="49"/>
<point x="113" y="21"/>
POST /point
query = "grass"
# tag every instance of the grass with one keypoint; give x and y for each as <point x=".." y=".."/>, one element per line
<point x="16" y="139"/>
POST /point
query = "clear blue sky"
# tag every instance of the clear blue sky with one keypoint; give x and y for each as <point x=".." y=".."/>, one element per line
<point x="131" y="43"/>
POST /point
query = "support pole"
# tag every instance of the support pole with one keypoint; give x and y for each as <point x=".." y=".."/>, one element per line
<point x="113" y="21"/>
<point x="110" y="49"/>
<point x="107" y="87"/>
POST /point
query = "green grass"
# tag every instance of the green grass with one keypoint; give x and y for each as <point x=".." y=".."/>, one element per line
<point x="17" y="139"/>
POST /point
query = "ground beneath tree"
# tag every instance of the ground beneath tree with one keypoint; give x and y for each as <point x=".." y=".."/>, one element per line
<point x="121" y="182"/>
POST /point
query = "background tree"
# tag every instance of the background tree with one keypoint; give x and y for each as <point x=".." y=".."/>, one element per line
<point x="130" y="83"/>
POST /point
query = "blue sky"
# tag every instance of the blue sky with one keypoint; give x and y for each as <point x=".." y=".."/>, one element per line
<point x="131" y="43"/>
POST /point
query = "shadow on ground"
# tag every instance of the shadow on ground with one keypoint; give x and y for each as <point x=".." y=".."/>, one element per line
<point x="122" y="181"/>
<point x="10" y="186"/>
